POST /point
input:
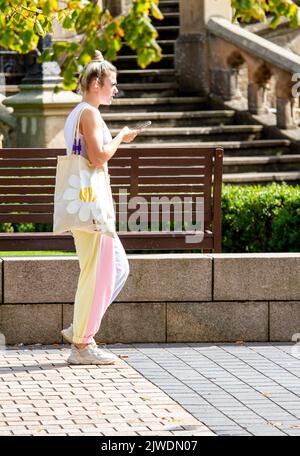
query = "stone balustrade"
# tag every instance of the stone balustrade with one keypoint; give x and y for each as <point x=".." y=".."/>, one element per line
<point x="230" y="47"/>
<point x="167" y="298"/>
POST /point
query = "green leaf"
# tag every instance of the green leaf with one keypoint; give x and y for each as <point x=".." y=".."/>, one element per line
<point x="46" y="56"/>
<point x="68" y="22"/>
<point x="84" y="58"/>
<point x="69" y="84"/>
<point x="60" y="46"/>
<point x="39" y="29"/>
<point x="22" y="23"/>
<point x="116" y="44"/>
<point x="275" y="22"/>
<point x="111" y="28"/>
<point x="156" y="11"/>
<point x="26" y="36"/>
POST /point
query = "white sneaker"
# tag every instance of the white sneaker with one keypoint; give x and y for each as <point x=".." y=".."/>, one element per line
<point x="90" y="355"/>
<point x="67" y="334"/>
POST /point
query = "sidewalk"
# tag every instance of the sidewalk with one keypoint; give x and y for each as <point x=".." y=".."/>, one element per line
<point x="153" y="389"/>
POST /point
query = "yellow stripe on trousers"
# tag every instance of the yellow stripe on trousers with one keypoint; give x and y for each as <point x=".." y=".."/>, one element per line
<point x="87" y="248"/>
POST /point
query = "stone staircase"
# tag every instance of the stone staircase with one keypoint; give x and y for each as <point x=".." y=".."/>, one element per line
<point x="181" y="120"/>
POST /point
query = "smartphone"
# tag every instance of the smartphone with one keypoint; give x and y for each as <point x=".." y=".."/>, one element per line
<point x="141" y="125"/>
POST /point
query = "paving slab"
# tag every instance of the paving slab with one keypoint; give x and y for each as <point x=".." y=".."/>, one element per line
<point x="173" y="389"/>
<point x="40" y="394"/>
<point x="238" y="389"/>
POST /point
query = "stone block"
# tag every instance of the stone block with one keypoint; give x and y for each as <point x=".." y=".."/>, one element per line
<point x="256" y="276"/>
<point x="129" y="322"/>
<point x="67" y="314"/>
<point x="40" y="279"/>
<point x="284" y="320"/>
<point x="31" y="323"/>
<point x="217" y="321"/>
<point x="168" y="277"/>
<point x="155" y="277"/>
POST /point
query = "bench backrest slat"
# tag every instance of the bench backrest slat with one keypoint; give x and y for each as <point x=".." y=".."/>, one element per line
<point x="27" y="177"/>
<point x="30" y="153"/>
<point x="24" y="218"/>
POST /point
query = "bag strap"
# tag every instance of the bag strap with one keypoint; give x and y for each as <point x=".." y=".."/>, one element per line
<point x="76" y="143"/>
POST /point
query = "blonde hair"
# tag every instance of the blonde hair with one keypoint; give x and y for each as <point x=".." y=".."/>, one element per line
<point x="98" y="69"/>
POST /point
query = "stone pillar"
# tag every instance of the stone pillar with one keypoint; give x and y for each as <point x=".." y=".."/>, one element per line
<point x="224" y="63"/>
<point x="39" y="111"/>
<point x="285" y="102"/>
<point x="258" y="77"/>
<point x="191" y="48"/>
<point x="256" y="98"/>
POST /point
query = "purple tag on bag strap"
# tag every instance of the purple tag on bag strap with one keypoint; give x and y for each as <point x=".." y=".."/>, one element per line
<point x="76" y="147"/>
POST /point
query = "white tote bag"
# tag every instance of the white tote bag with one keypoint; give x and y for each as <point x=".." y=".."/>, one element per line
<point x="82" y="198"/>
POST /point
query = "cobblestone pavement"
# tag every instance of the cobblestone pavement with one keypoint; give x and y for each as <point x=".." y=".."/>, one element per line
<point x="153" y="389"/>
<point x="234" y="389"/>
<point x="40" y="394"/>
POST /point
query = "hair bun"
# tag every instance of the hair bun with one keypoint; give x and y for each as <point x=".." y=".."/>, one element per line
<point x="98" y="56"/>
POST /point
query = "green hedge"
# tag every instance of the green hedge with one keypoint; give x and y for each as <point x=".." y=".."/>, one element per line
<point x="258" y="218"/>
<point x="255" y="218"/>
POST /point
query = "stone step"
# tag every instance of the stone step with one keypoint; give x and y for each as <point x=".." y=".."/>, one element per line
<point x="169" y="3"/>
<point x="168" y="115"/>
<point x="152" y="72"/>
<point x="166" y="7"/>
<point x="295" y="158"/>
<point x="291" y="177"/>
<point x="170" y="118"/>
<point x="146" y="76"/>
<point x="144" y="88"/>
<point x="170" y="18"/>
<point x="262" y="147"/>
<point x="218" y="133"/>
<point x="167" y="28"/>
<point x="148" y="86"/>
<point x="168" y="15"/>
<point x="166" y="42"/>
<point x="167" y="32"/>
<point x="157" y="103"/>
<point x="166" y="45"/>
<point x="132" y="58"/>
<point x="130" y="61"/>
<point x="246" y="164"/>
<point x="148" y="93"/>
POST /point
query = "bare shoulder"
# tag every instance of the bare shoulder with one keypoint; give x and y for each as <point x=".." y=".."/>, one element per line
<point x="90" y="119"/>
<point x="91" y="114"/>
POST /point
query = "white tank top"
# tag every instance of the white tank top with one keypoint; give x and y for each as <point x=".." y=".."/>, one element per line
<point x="70" y="126"/>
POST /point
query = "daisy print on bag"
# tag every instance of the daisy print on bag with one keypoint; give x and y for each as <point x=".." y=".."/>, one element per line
<point x="82" y="198"/>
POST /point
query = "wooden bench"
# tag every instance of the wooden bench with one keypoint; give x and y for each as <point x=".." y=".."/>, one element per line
<point x="27" y="192"/>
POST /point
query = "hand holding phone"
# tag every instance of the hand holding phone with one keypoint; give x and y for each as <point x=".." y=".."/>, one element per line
<point x="141" y="125"/>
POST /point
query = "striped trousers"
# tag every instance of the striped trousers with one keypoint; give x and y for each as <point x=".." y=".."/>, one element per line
<point x="104" y="269"/>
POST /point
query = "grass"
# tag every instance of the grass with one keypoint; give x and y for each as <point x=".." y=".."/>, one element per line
<point x="35" y="253"/>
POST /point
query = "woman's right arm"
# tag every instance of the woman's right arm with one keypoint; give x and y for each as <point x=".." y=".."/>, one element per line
<point x="92" y="130"/>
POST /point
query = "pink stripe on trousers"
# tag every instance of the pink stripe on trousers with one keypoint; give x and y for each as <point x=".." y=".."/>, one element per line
<point x="105" y="284"/>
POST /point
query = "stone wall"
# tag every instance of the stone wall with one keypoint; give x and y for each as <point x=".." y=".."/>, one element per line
<point x="167" y="298"/>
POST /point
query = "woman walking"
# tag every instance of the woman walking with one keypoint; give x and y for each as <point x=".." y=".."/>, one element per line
<point x="103" y="263"/>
